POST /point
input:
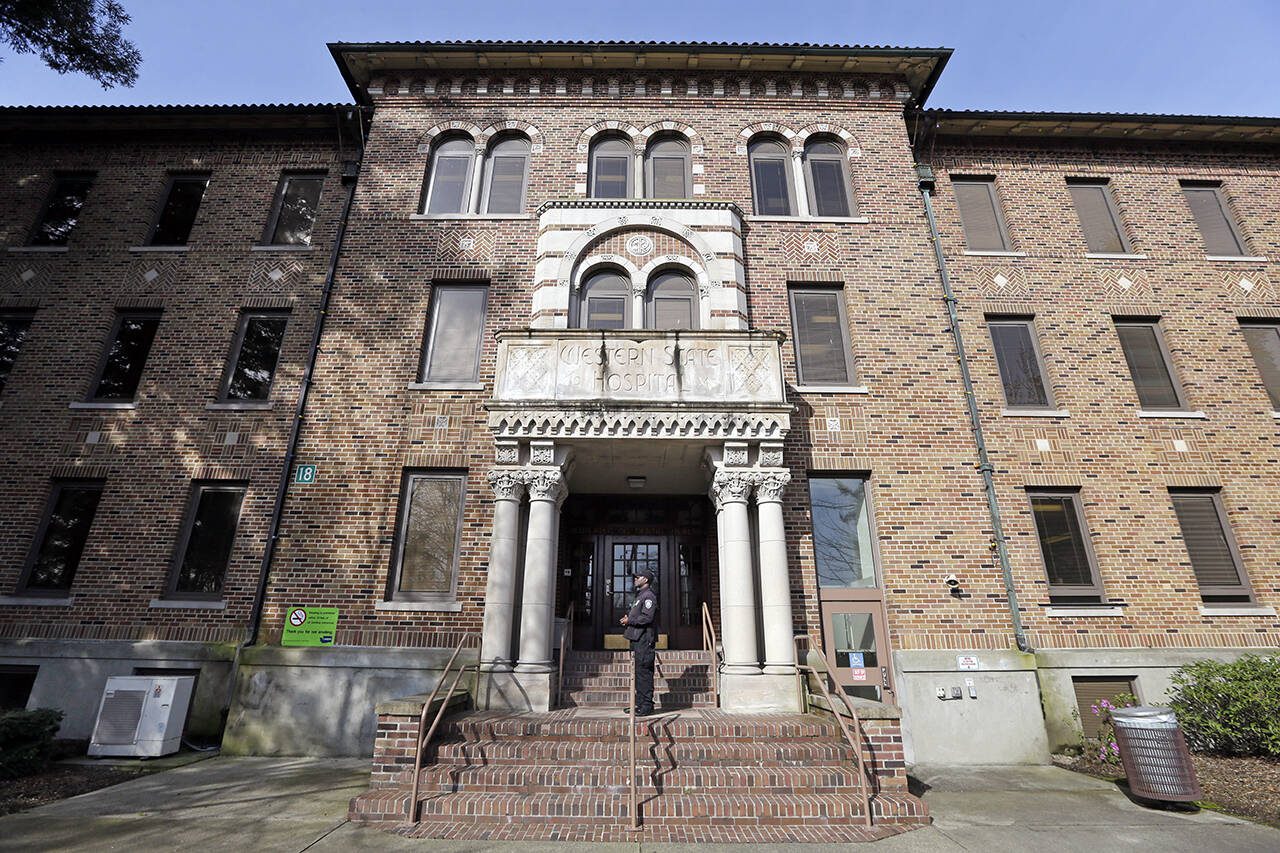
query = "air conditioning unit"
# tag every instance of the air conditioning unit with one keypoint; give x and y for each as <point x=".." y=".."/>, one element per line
<point x="142" y="716"/>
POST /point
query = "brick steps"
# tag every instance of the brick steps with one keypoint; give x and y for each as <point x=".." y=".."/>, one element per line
<point x="596" y="679"/>
<point x="669" y="833"/>
<point x="699" y="724"/>
<point x="811" y="752"/>
<point x="650" y="780"/>
<point x="664" y="699"/>
<point x="622" y="681"/>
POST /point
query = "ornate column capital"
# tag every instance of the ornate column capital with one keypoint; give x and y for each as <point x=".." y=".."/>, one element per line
<point x="507" y="483"/>
<point x="770" y="485"/>
<point x="730" y="487"/>
<point x="545" y="484"/>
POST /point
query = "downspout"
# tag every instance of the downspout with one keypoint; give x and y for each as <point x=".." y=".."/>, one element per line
<point x="925" y="174"/>
<point x="350" y="174"/>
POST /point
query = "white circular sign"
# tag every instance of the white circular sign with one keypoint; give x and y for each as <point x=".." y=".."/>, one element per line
<point x="297" y="617"/>
<point x="640" y="246"/>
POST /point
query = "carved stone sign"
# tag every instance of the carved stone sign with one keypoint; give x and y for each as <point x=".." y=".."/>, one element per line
<point x="689" y="368"/>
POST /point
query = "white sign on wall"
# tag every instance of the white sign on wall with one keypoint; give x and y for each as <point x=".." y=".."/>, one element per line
<point x="966" y="661"/>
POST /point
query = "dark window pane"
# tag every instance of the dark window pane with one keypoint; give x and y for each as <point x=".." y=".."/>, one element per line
<point x="978" y="216"/>
<point x="841" y="532"/>
<point x="1151" y="377"/>
<point x="1214" y="221"/>
<point x="672" y="313"/>
<point x="820" y="348"/>
<point x="829" y="192"/>
<point x="457" y="327"/>
<point x="62" y="212"/>
<point x="506" y="186"/>
<point x="256" y="362"/>
<point x="770" y="176"/>
<point x="606" y="312"/>
<point x="430" y="540"/>
<point x="64" y="537"/>
<point x="1101" y="231"/>
<point x="1264" y="343"/>
<point x="1061" y="541"/>
<point x="297" y="211"/>
<point x="669" y="177"/>
<point x="208" y="552"/>
<point x="13" y="332"/>
<point x="127" y="357"/>
<point x="610" y="177"/>
<point x="1019" y="367"/>
<point x="179" y="213"/>
<point x="1206" y="541"/>
<point x="449" y="188"/>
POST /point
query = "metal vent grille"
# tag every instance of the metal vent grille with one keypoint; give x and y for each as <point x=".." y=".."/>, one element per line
<point x="121" y="713"/>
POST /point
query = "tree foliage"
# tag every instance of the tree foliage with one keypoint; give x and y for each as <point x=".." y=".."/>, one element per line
<point x="84" y="36"/>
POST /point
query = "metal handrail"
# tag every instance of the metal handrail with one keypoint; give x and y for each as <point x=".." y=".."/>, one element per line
<point x="821" y="679"/>
<point x="709" y="643"/>
<point x="566" y="646"/>
<point x="631" y="725"/>
<point x="422" y="741"/>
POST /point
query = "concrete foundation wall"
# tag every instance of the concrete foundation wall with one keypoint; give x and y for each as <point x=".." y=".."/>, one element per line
<point x="1003" y="724"/>
<point x="321" y="701"/>
<point x="73" y="673"/>
<point x="1152" y="670"/>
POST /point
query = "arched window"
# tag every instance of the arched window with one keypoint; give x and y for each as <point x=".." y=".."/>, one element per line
<point x="611" y="167"/>
<point x="827" y="179"/>
<point x="448" y="187"/>
<point x="606" y="301"/>
<point x="506" y="175"/>
<point x="673" y="301"/>
<point x="771" y="191"/>
<point x="667" y="172"/>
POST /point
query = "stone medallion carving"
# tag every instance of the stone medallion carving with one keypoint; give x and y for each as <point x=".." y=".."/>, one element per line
<point x="640" y="246"/>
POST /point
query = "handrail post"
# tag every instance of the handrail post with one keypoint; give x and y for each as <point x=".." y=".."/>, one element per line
<point x="631" y="725"/>
<point x="566" y="645"/>
<point x="421" y="741"/>
<point x="709" y="643"/>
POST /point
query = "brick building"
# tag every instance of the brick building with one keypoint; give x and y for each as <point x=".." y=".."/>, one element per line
<point x="675" y="305"/>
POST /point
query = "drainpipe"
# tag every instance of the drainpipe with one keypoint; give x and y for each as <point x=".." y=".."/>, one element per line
<point x="925" y="174"/>
<point x="350" y="173"/>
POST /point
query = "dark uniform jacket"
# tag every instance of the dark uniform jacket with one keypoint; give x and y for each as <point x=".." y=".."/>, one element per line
<point x="642" y="618"/>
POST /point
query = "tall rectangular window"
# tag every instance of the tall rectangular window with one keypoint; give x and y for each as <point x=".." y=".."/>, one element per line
<point x="204" y="551"/>
<point x="62" y="536"/>
<point x="842" y="548"/>
<point x="430" y="529"/>
<point x="254" y="356"/>
<point x="1020" y="365"/>
<point x="821" y="336"/>
<point x="1068" y="558"/>
<point x="62" y="210"/>
<point x="506" y="184"/>
<point x="1148" y="362"/>
<point x="1214" y="557"/>
<point x="1213" y="218"/>
<point x="1264" y="343"/>
<point x="455" y="333"/>
<point x="769" y="179"/>
<point x="14" y="326"/>
<point x="609" y="180"/>
<point x="125" y="357"/>
<point x="1099" y="219"/>
<point x="980" y="216"/>
<point x="181" y="204"/>
<point x="294" y="211"/>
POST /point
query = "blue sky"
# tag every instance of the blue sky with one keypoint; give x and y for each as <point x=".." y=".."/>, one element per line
<point x="1178" y="56"/>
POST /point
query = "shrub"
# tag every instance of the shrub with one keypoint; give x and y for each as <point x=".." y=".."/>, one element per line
<point x="1230" y="708"/>
<point x="26" y="741"/>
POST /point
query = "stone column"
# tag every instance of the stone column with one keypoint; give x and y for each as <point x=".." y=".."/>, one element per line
<point x="729" y="491"/>
<point x="500" y="588"/>
<point x="775" y="580"/>
<point x="477" y="172"/>
<point x="797" y="174"/>
<point x="537" y="617"/>
<point x="637" y="162"/>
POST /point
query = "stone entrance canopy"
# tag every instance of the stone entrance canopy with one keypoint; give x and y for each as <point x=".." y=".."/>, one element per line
<point x="579" y="383"/>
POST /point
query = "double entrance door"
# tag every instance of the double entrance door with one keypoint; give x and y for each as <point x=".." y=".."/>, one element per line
<point x="609" y="539"/>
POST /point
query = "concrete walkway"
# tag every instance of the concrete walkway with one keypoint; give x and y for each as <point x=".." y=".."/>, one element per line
<point x="282" y="804"/>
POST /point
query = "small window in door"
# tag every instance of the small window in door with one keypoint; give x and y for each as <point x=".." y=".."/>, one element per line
<point x="856" y="664"/>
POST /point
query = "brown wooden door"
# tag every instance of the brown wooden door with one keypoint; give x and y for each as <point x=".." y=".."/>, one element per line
<point x="623" y="557"/>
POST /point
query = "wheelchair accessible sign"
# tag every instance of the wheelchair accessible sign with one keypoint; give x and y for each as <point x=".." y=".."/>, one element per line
<point x="310" y="626"/>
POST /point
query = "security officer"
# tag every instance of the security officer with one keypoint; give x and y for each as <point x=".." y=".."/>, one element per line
<point x="642" y="630"/>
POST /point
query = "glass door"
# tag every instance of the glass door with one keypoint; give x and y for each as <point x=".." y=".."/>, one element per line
<point x="624" y="556"/>
<point x="856" y="649"/>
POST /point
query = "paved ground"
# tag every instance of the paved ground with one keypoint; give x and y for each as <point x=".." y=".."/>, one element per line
<point x="264" y="804"/>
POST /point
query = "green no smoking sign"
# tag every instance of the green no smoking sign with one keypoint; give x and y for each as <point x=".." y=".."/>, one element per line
<point x="310" y="626"/>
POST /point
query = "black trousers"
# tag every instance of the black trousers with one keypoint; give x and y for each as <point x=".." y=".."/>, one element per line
<point x="644" y="652"/>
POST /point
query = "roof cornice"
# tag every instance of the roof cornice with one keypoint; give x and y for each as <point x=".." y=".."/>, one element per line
<point x="1138" y="127"/>
<point x="360" y="62"/>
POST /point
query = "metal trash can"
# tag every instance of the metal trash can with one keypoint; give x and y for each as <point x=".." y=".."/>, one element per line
<point x="1155" y="755"/>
